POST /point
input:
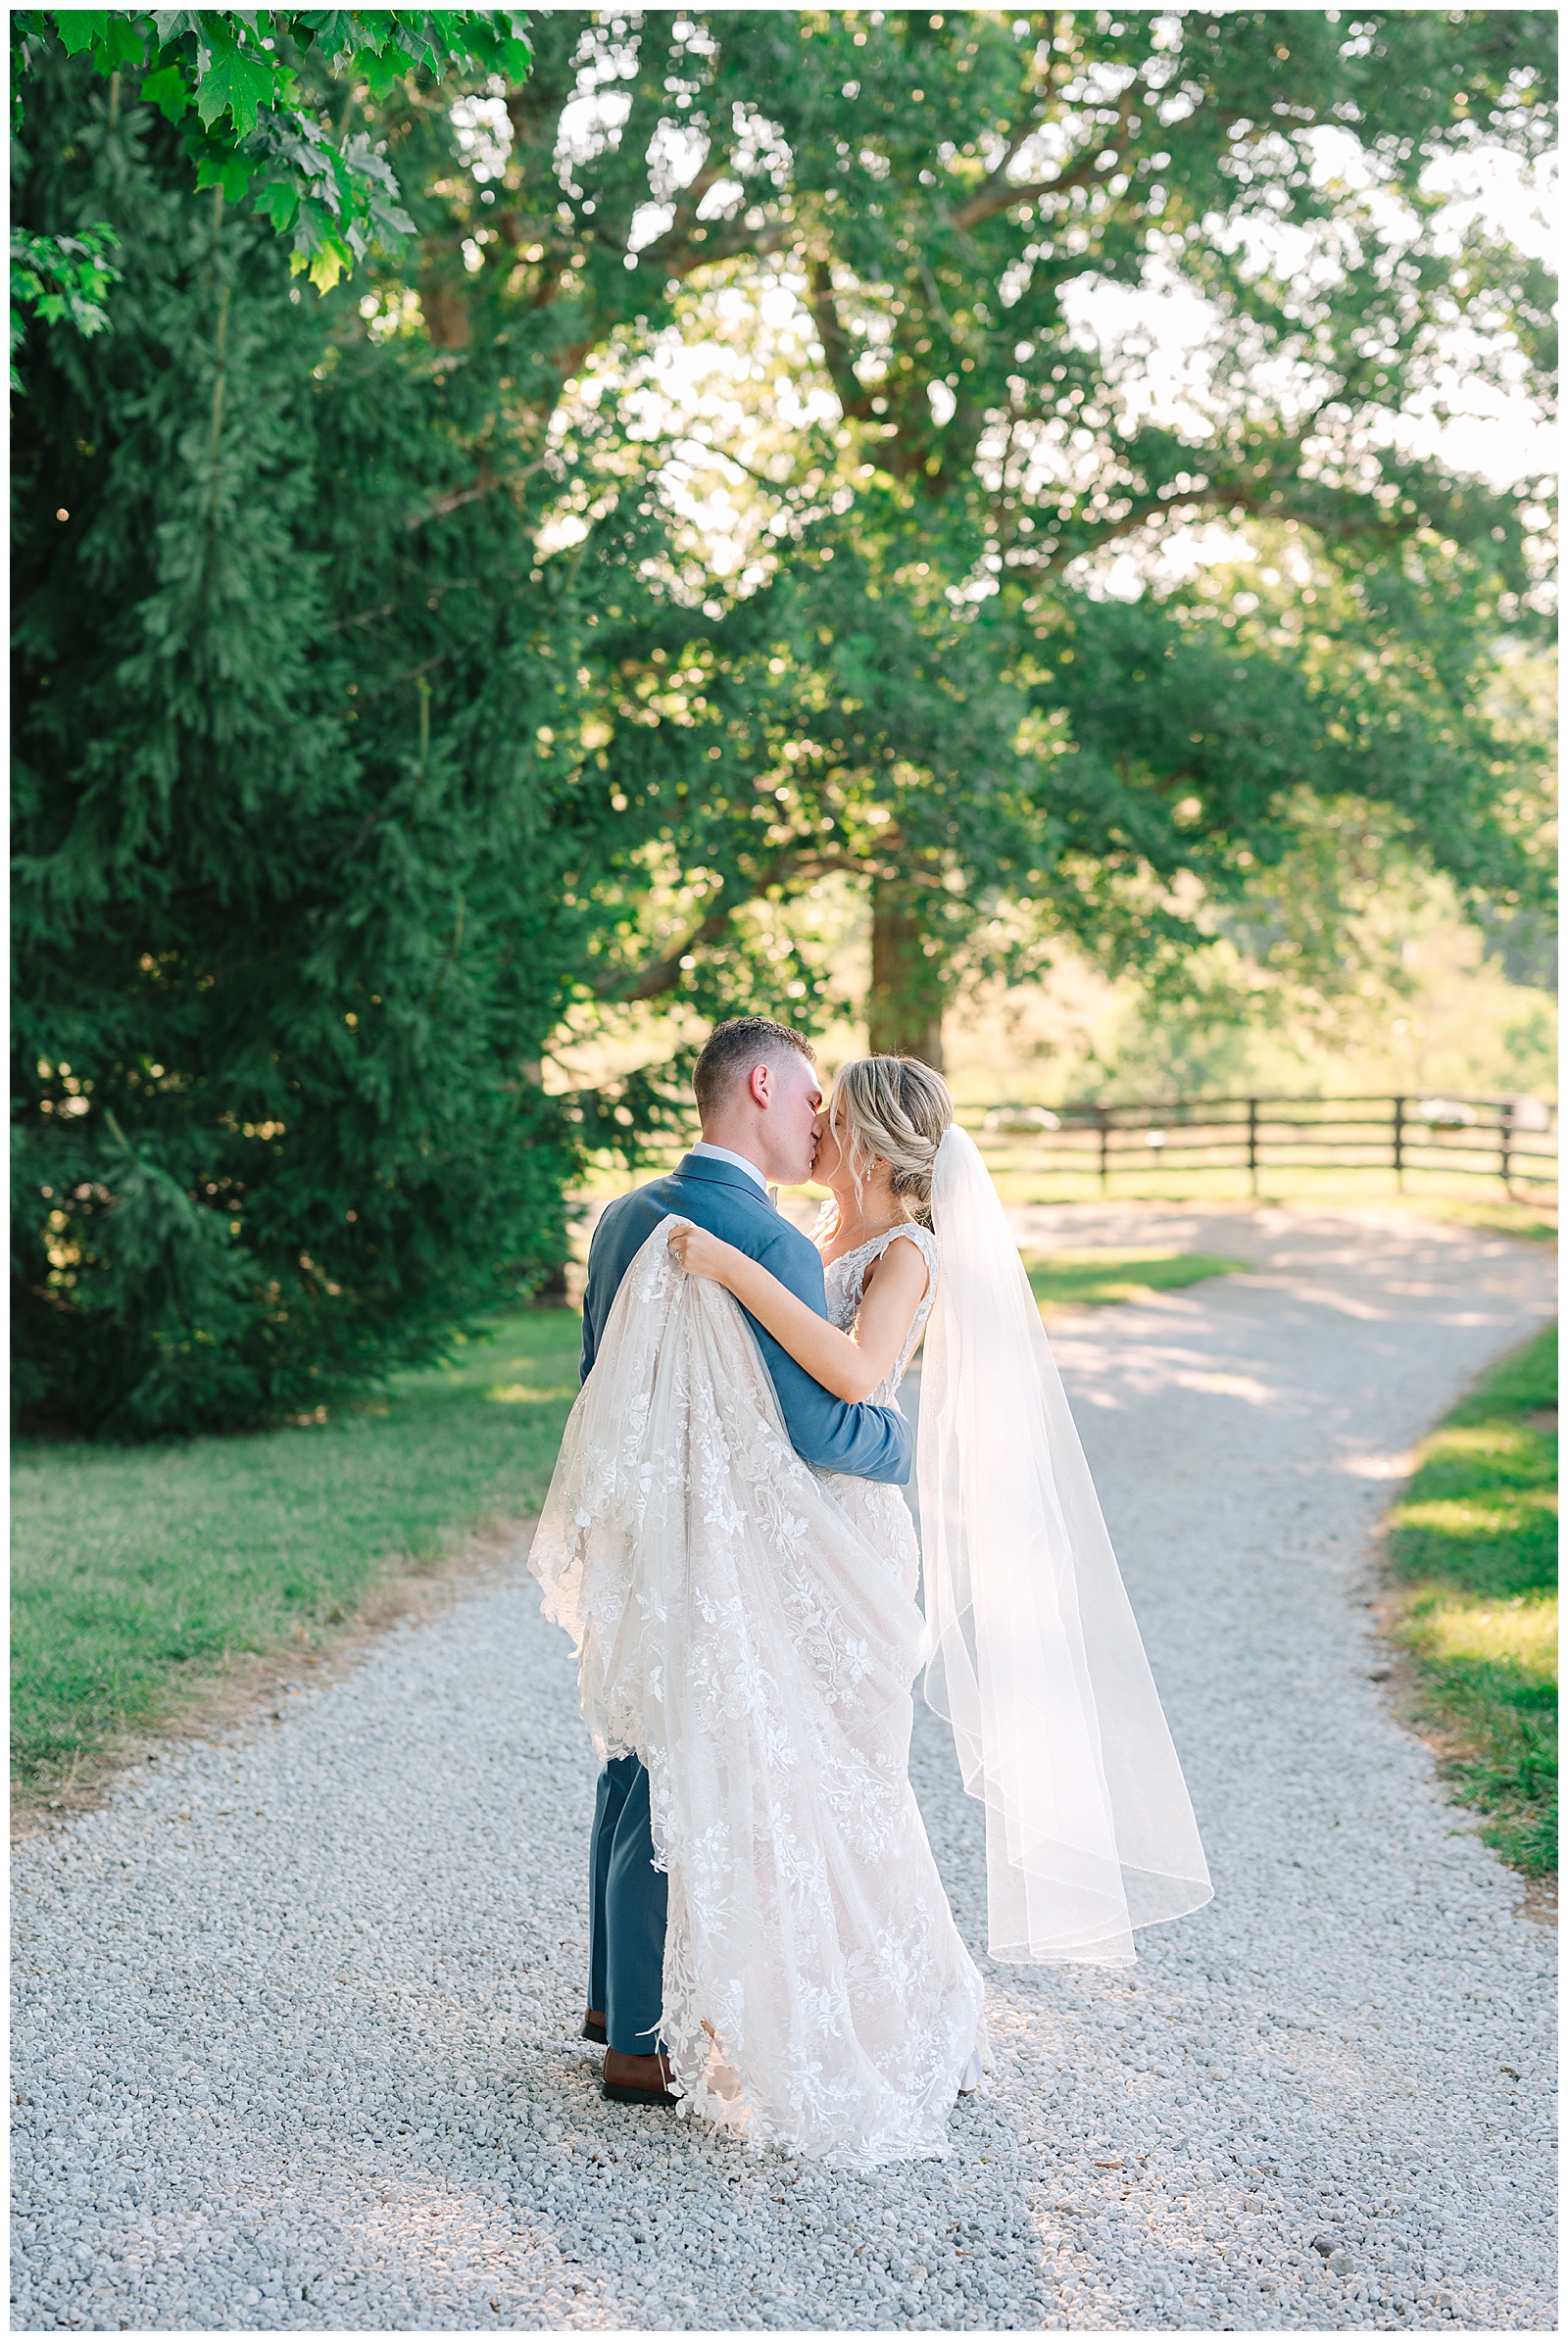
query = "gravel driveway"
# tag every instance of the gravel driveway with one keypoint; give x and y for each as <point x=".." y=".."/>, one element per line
<point x="295" y="2012"/>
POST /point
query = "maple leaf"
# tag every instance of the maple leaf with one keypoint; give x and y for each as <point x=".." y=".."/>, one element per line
<point x="278" y="201"/>
<point x="236" y="83"/>
<point x="79" y="27"/>
<point x="120" y="43"/>
<point x="328" y="265"/>
<point x="167" y="90"/>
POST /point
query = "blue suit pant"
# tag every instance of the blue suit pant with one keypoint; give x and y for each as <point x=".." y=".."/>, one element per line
<point x="628" y="1899"/>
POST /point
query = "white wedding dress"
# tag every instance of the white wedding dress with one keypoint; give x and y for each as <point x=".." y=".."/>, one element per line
<point x="749" y="1628"/>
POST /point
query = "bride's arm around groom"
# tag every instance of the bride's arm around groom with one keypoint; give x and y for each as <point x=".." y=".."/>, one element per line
<point x="759" y="1097"/>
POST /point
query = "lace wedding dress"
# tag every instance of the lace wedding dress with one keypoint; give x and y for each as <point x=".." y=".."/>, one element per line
<point x="881" y="1513"/>
<point x="749" y="1628"/>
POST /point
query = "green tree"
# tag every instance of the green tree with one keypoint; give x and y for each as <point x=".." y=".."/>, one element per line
<point x="59" y="277"/>
<point x="290" y="911"/>
<point x="953" y="711"/>
<point x="249" y="85"/>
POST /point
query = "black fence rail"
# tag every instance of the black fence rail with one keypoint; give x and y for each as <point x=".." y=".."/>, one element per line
<point x="1510" y="1138"/>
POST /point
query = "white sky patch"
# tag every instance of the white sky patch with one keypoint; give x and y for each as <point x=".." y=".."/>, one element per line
<point x="726" y="412"/>
<point x="1513" y="198"/>
<point x="650" y="221"/>
<point x="676" y="153"/>
<point x="1206" y="544"/>
<point x="559" y="533"/>
<point x="747" y="390"/>
<point x="483" y="129"/>
<point x="590" y="125"/>
<point x="1158" y="334"/>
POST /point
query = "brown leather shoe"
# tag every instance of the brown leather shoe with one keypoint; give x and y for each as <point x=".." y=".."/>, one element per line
<point x="593" y="2027"/>
<point x="638" y="2080"/>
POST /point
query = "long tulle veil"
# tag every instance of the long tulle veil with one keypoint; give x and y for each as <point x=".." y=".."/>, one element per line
<point x="1032" y="1650"/>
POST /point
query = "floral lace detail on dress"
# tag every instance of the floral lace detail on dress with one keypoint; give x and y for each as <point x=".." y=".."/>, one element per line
<point x="845" y="1290"/>
<point x="748" y="1635"/>
<point x="880" y="1512"/>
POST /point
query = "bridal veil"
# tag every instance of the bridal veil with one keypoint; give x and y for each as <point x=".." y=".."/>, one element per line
<point x="1032" y="1651"/>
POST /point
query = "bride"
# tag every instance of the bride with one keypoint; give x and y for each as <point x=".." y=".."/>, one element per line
<point x="748" y="1627"/>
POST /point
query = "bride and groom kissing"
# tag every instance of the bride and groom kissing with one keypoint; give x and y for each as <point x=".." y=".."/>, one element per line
<point x="726" y="1542"/>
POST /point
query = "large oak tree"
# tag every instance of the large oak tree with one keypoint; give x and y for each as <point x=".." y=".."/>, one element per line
<point x="953" y="711"/>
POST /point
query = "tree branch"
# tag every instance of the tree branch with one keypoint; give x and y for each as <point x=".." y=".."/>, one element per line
<point x="485" y="485"/>
<point x="735" y="237"/>
<point x="853" y="398"/>
<point x="409" y="674"/>
<point x="1218" y="496"/>
<point x="995" y="183"/>
<point x="678" y="254"/>
<point x="663" y="972"/>
<point x="934" y="296"/>
<point x="997" y="195"/>
<point x="362" y="617"/>
<point x="482" y="486"/>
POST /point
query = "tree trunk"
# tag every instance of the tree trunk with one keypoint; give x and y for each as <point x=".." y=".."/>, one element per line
<point x="905" y="1007"/>
<point x="447" y="318"/>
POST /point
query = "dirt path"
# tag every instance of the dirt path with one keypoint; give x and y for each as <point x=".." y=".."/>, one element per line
<point x="295" y="2012"/>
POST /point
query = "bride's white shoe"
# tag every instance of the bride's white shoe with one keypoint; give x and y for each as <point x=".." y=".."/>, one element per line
<point x="973" y="2083"/>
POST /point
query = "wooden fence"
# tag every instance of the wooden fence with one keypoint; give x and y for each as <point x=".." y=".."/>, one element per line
<point x="1513" y="1140"/>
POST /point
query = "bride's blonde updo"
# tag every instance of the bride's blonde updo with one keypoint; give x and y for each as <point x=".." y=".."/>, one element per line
<point x="893" y="1109"/>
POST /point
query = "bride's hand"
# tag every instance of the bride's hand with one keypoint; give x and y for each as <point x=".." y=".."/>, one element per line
<point x="702" y="1254"/>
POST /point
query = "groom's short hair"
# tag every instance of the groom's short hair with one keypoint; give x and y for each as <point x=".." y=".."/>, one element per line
<point x="734" y="1047"/>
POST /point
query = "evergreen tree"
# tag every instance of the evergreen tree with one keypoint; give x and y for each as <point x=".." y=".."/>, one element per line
<point x="288" y="912"/>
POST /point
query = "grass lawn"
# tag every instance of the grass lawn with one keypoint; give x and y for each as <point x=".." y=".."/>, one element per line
<point x="136" y="1571"/>
<point x="1473" y="1550"/>
<point x="1068" y="1279"/>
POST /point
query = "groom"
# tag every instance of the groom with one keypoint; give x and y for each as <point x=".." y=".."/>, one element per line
<point x="760" y="1105"/>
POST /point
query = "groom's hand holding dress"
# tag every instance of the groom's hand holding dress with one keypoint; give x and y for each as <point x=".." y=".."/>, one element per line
<point x="725" y="1195"/>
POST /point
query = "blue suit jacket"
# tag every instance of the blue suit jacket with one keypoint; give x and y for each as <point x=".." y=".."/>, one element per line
<point x="870" y="1442"/>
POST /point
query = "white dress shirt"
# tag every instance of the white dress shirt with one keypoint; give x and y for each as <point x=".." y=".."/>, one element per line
<point x="723" y="1155"/>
